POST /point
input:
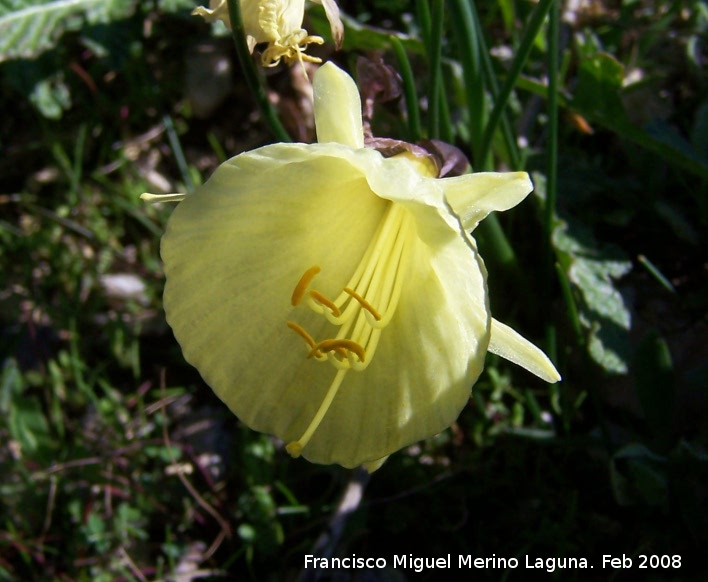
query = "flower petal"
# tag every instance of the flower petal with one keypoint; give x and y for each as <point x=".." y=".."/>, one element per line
<point x="233" y="253"/>
<point x="337" y="107"/>
<point x="218" y="10"/>
<point x="474" y="196"/>
<point x="422" y="374"/>
<point x="372" y="466"/>
<point x="433" y="350"/>
<point x="512" y="346"/>
<point x="277" y="18"/>
<point x="251" y="17"/>
<point x="335" y="22"/>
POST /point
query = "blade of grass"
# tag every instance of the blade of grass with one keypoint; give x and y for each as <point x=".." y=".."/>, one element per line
<point x="251" y="74"/>
<point x="468" y="47"/>
<point x="517" y="64"/>
<point x="409" y="92"/>
<point x="510" y="141"/>
<point x="79" y="146"/>
<point x="656" y="273"/>
<point x="447" y="134"/>
<point x="571" y="306"/>
<point x="422" y="10"/>
<point x="490" y="230"/>
<point x="435" y="84"/>
<point x="178" y="152"/>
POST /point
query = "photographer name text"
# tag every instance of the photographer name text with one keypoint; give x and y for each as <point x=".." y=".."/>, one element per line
<point x="460" y="561"/>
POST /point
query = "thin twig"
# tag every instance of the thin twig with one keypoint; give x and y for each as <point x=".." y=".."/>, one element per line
<point x="328" y="541"/>
<point x="132" y="565"/>
<point x="226" y="529"/>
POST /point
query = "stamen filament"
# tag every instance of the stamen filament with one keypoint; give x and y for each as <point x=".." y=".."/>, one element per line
<point x="295" y="447"/>
<point x="317" y="296"/>
<point x="364" y="270"/>
<point x="365" y="306"/>
<point x="303" y="284"/>
<point x="393" y="281"/>
<point x="336" y="344"/>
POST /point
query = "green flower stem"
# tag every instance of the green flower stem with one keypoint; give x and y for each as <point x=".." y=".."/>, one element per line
<point x="253" y="79"/>
<point x="435" y="84"/>
<point x="522" y="54"/>
<point x="409" y="92"/>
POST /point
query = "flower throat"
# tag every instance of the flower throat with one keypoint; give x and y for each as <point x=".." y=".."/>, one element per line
<point x="362" y="310"/>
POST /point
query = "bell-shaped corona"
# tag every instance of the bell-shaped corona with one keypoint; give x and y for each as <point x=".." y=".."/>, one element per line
<point x="333" y="297"/>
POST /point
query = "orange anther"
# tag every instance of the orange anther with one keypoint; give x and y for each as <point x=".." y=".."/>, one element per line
<point x="303" y="283"/>
<point x="317" y="296"/>
<point x="306" y="336"/>
<point x="364" y="303"/>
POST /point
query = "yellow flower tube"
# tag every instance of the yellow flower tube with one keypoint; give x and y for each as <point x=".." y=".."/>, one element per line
<point x="333" y="297"/>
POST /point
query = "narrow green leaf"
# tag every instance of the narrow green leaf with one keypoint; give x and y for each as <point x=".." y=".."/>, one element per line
<point x="549" y="206"/>
<point x="462" y="19"/>
<point x="512" y="148"/>
<point x="571" y="305"/>
<point x="435" y="93"/>
<point x="409" y="91"/>
<point x="656" y="273"/>
<point x="522" y="54"/>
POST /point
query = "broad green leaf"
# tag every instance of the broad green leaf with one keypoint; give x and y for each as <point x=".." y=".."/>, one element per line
<point x="639" y="476"/>
<point x="29" y="27"/>
<point x="598" y="93"/>
<point x="592" y="271"/>
<point x="51" y="96"/>
<point x="598" y="97"/>
<point x="178" y="5"/>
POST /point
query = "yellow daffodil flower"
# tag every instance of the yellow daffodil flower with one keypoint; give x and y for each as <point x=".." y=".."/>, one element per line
<point x="278" y="23"/>
<point x="333" y="297"/>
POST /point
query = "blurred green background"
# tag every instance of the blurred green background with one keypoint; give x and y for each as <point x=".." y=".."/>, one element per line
<point x="118" y="463"/>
